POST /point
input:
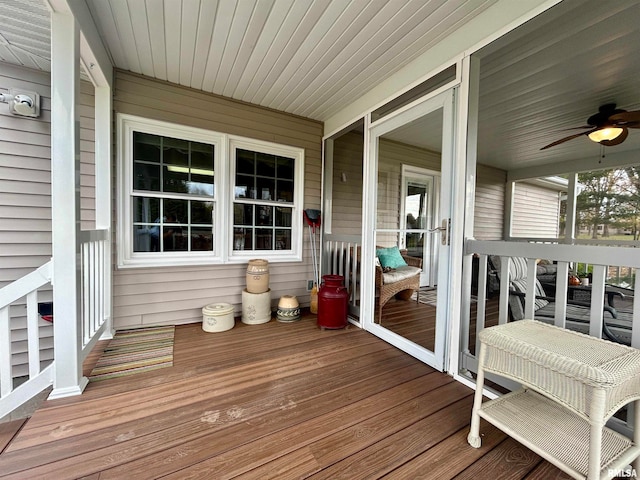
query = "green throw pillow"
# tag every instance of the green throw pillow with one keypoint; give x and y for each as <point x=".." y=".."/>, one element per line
<point x="390" y="257"/>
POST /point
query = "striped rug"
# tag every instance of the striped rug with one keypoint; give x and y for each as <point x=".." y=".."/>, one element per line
<point x="135" y="351"/>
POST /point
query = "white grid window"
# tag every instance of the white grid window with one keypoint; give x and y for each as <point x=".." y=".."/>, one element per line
<point x="179" y="206"/>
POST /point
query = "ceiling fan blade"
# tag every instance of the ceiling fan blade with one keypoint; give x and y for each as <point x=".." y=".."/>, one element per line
<point x="625" y="118"/>
<point x="566" y="139"/>
<point x="576" y="128"/>
<point x="618" y="140"/>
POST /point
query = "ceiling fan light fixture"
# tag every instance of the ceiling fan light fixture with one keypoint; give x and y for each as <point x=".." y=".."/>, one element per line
<point x="607" y="133"/>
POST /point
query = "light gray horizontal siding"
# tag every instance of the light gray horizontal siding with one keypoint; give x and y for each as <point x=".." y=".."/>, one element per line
<point x="25" y="195"/>
<point x="87" y="157"/>
<point x="25" y="176"/>
<point x="347" y="202"/>
<point x="392" y="155"/>
<point x="25" y="203"/>
<point x="535" y="211"/>
<point x="347" y="196"/>
<point x="146" y="296"/>
<point x="488" y="216"/>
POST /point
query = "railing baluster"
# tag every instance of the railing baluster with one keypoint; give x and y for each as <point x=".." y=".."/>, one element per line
<point x="85" y="292"/>
<point x="503" y="314"/>
<point x="94" y="270"/>
<point x="635" y="331"/>
<point x="6" y="382"/>
<point x="562" y="285"/>
<point x="481" y="309"/>
<point x="597" y="300"/>
<point x="92" y="292"/>
<point x="347" y="269"/>
<point x="101" y="284"/>
<point x="33" y="334"/>
<point x="341" y="258"/>
<point x="354" y="274"/>
<point x="530" y="299"/>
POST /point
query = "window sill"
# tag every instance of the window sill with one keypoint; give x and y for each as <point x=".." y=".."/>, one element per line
<point x="202" y="261"/>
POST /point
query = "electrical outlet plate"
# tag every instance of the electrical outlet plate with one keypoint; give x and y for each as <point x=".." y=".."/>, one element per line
<point x="310" y="285"/>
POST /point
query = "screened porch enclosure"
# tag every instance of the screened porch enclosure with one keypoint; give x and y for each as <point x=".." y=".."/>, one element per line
<point x="535" y="245"/>
<point x="539" y="209"/>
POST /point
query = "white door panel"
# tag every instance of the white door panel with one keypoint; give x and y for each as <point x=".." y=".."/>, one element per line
<point x="410" y="194"/>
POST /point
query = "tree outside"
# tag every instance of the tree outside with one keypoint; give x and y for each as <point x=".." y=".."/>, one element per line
<point x="608" y="205"/>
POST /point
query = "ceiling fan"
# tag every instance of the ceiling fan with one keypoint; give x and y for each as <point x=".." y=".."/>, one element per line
<point x="608" y="127"/>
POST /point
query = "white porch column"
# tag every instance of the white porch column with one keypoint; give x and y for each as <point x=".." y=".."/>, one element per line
<point x="572" y="193"/>
<point x="508" y="209"/>
<point x="103" y="130"/>
<point x="470" y="89"/>
<point x="65" y="211"/>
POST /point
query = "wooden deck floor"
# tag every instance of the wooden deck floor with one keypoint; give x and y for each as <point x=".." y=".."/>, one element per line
<point x="280" y="401"/>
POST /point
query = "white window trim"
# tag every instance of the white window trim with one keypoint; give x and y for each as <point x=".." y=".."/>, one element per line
<point x="224" y="180"/>
<point x="295" y="254"/>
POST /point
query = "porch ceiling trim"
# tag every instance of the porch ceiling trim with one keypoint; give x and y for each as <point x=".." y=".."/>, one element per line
<point x="93" y="55"/>
<point x="580" y="164"/>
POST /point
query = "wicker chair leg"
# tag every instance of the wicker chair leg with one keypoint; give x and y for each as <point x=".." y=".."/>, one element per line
<point x="636" y="431"/>
<point x="474" y="438"/>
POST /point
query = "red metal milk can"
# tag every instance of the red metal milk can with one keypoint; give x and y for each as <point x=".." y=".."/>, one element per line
<point x="332" y="302"/>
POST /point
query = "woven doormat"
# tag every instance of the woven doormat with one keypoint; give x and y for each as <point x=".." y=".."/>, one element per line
<point x="135" y="351"/>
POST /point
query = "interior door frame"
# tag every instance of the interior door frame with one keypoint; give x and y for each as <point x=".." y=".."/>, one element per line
<point x="429" y="251"/>
<point x="373" y="131"/>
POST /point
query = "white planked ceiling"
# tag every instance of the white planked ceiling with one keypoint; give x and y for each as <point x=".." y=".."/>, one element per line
<point x="312" y="57"/>
<point x="307" y="57"/>
<point x="25" y="34"/>
<point x="553" y="73"/>
<point x="547" y="77"/>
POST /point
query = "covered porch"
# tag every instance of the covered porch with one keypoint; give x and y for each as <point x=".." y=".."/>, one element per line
<point x="268" y="401"/>
<point x="290" y="400"/>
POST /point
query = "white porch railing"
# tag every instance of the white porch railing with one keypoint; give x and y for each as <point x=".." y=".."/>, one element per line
<point x="95" y="315"/>
<point x="95" y="267"/>
<point x="600" y="258"/>
<point x="39" y="378"/>
<point x="340" y="256"/>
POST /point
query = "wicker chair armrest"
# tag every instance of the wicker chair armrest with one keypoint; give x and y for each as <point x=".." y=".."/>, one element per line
<point x="413" y="261"/>
<point x="379" y="276"/>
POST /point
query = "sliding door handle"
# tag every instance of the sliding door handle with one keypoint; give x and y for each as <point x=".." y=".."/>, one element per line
<point x="444" y="231"/>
